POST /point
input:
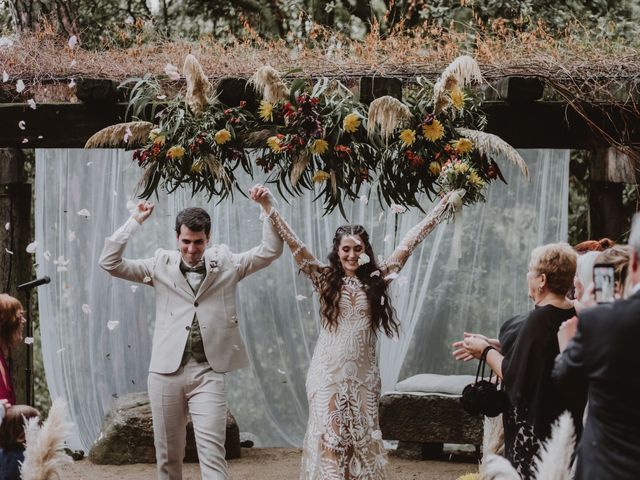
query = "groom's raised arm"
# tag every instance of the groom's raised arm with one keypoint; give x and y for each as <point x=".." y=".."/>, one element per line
<point x="111" y="260"/>
<point x="261" y="256"/>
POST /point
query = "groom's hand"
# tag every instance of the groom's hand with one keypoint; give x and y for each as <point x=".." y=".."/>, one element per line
<point x="143" y="211"/>
<point x="261" y="195"/>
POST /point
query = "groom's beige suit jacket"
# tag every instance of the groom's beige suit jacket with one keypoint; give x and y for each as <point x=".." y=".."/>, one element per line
<point x="214" y="303"/>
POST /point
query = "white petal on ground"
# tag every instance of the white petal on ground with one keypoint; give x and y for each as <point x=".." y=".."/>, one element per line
<point x="28" y="340"/>
<point x="32" y="103"/>
<point x="112" y="324"/>
<point x="31" y="248"/>
<point x="86" y="309"/>
<point x="395" y="208"/>
<point x="300" y="297"/>
<point x="84" y="213"/>
<point x="172" y="71"/>
<point x="19" y="86"/>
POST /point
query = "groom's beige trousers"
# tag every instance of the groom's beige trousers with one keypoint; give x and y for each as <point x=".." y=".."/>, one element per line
<point x="197" y="390"/>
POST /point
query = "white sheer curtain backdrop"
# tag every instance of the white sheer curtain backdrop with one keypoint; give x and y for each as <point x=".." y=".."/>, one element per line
<point x="96" y="331"/>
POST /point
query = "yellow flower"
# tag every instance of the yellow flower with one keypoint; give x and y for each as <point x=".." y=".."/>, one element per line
<point x="408" y="137"/>
<point x="460" y="167"/>
<point x="463" y="145"/>
<point x="320" y="176"/>
<point x="434" y="168"/>
<point x="222" y="136"/>
<point x="457" y="97"/>
<point x="159" y="140"/>
<point x="475" y="180"/>
<point x="265" y="111"/>
<point x="319" y="146"/>
<point x="433" y="131"/>
<point x="176" y="152"/>
<point x="351" y="123"/>
<point x="274" y="143"/>
<point x="154" y="133"/>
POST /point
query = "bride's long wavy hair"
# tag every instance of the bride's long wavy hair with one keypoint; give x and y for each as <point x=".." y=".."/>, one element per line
<point x="382" y="313"/>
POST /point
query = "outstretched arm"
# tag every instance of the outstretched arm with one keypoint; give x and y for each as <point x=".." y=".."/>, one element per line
<point x="140" y="270"/>
<point x="307" y="262"/>
<point x="413" y="237"/>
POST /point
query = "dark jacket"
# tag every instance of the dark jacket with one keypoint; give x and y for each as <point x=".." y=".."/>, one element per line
<point x="605" y="357"/>
<point x="10" y="459"/>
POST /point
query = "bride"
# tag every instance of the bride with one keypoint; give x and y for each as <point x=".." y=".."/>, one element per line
<point x="343" y="438"/>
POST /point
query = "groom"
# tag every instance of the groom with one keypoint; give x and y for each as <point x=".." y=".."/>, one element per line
<point x="196" y="337"/>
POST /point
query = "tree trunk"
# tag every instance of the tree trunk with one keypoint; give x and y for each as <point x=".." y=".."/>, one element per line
<point x="15" y="235"/>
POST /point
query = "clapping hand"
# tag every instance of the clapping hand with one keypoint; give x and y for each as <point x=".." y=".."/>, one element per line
<point x="261" y="195"/>
<point x="566" y="332"/>
<point x="143" y="211"/>
<point x="472" y="346"/>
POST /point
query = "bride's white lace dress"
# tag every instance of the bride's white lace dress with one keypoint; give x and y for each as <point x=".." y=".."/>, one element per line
<point x="343" y="438"/>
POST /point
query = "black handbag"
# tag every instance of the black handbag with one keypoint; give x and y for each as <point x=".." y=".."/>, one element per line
<point x="484" y="397"/>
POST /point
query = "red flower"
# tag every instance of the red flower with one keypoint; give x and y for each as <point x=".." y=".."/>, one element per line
<point x="227" y="111"/>
<point x="243" y="103"/>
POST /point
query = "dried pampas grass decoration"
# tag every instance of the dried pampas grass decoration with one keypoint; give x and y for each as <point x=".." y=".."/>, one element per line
<point x="490" y="145"/>
<point x="268" y="83"/>
<point x="499" y="468"/>
<point x="121" y="135"/>
<point x="554" y="458"/>
<point x="460" y="73"/>
<point x="198" y="85"/>
<point x="493" y="436"/>
<point x="386" y="113"/>
<point x="298" y="168"/>
<point x="44" y="455"/>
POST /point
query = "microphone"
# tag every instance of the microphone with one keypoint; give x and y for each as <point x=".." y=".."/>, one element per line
<point x="34" y="283"/>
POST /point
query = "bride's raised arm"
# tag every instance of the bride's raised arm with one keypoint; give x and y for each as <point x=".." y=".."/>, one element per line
<point x="307" y="262"/>
<point x="413" y="237"/>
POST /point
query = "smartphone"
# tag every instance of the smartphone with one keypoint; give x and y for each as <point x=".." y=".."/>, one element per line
<point x="604" y="281"/>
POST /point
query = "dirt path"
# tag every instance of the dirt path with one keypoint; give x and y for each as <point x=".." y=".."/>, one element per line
<point x="266" y="464"/>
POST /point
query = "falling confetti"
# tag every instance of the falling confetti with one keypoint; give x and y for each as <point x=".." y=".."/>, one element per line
<point x="146" y="280"/>
<point x="172" y="72"/>
<point x="112" y="324"/>
<point x="402" y="280"/>
<point x="28" y="340"/>
<point x="61" y="263"/>
<point x="363" y="259"/>
<point x="71" y="235"/>
<point x="129" y="20"/>
<point x="395" y="208"/>
<point x="72" y="83"/>
<point x="22" y="125"/>
<point x="281" y="372"/>
<point x="380" y="216"/>
<point x="131" y="206"/>
<point x="161" y="97"/>
<point x="19" y="86"/>
<point x="7" y="226"/>
<point x="32" y="103"/>
<point x="73" y="42"/>
<point x="89" y="164"/>
<point x="31" y="248"/>
<point x="73" y="63"/>
<point x="134" y="288"/>
<point x="300" y="298"/>
<point x="375" y="273"/>
<point x="84" y="213"/>
<point x="60" y="350"/>
<point x="381" y="300"/>
<point x="86" y="309"/>
<point x="8" y="251"/>
<point x="127" y="134"/>
<point x="25" y="140"/>
<point x="364" y="199"/>
<point x="387" y="237"/>
<point x="47" y="255"/>
<point x="391" y="276"/>
<point x="236" y="347"/>
<point x="5" y="76"/>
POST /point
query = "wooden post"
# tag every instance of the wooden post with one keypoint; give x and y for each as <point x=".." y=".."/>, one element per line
<point x="610" y="169"/>
<point x="17" y="267"/>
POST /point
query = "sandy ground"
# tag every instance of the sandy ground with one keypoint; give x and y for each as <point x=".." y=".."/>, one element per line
<point x="267" y="464"/>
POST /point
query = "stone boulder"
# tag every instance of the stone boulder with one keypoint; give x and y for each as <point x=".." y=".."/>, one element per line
<point x="127" y="435"/>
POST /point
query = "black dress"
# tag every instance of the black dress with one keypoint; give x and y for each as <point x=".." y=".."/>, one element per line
<point x="530" y="345"/>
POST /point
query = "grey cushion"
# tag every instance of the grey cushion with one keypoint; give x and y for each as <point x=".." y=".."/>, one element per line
<point x="434" y="383"/>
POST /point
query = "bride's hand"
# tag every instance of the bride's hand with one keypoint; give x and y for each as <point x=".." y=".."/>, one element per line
<point x="261" y="195"/>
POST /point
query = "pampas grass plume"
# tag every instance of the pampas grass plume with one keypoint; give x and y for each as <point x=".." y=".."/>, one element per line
<point x="463" y="71"/>
<point x="198" y="85"/>
<point x="554" y="460"/>
<point x="490" y="145"/>
<point x="386" y="113"/>
<point x="114" y="135"/>
<point x="268" y="83"/>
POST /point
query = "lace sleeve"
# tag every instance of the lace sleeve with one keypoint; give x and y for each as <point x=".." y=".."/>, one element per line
<point x="306" y="261"/>
<point x="413" y="237"/>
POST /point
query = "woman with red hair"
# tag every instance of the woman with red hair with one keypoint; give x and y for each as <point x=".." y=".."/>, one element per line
<point x="12" y="320"/>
